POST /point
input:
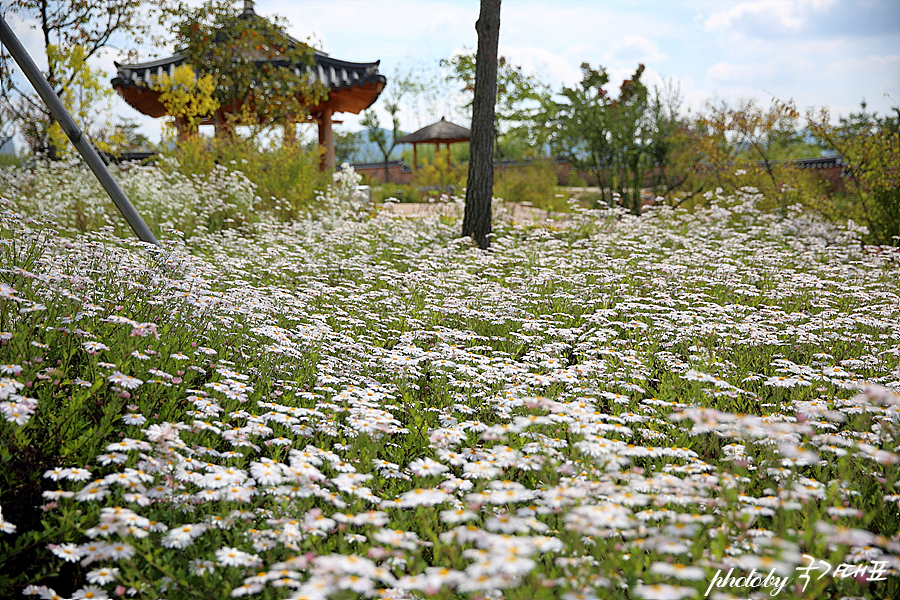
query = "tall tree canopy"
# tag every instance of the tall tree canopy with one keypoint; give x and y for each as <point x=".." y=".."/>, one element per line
<point x="610" y="137"/>
<point x="68" y="28"/>
<point x="479" y="187"/>
<point x="258" y="71"/>
<point x="519" y="106"/>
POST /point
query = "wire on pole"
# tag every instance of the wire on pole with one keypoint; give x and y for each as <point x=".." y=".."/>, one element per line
<point x="62" y="116"/>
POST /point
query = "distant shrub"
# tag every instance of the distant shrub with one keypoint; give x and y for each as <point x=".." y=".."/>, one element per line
<point x="534" y="184"/>
<point x="400" y="192"/>
<point x="781" y="185"/>
<point x="870" y="148"/>
<point x="286" y="176"/>
<point x="10" y="160"/>
<point x="433" y="178"/>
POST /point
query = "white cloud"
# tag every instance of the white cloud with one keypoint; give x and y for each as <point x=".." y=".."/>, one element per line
<point x="868" y="65"/>
<point x="634" y="48"/>
<point x="815" y="51"/>
<point x="759" y="74"/>
<point x="547" y="65"/>
<point x="766" y="15"/>
<point x="354" y="27"/>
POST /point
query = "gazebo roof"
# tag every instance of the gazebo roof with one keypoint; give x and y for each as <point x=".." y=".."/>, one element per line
<point x="442" y="132"/>
<point x="352" y="87"/>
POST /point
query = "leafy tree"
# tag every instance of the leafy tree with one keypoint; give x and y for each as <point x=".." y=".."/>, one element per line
<point x="631" y="140"/>
<point x="746" y="145"/>
<point x="189" y="99"/>
<point x="87" y="97"/>
<point x="86" y="92"/>
<point x="479" y="185"/>
<point x="377" y="134"/>
<point x="519" y="110"/>
<point x="667" y="124"/>
<point x="762" y="135"/>
<point x="610" y="137"/>
<point x="346" y="146"/>
<point x="581" y="129"/>
<point x="67" y="27"/>
<point x="405" y="90"/>
<point x="259" y="72"/>
<point x="870" y="148"/>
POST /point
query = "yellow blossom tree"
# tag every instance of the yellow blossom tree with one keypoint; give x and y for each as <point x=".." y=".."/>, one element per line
<point x="85" y="97"/>
<point x="187" y="98"/>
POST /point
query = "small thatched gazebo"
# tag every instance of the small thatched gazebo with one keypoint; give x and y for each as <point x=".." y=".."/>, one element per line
<point x="442" y="132"/>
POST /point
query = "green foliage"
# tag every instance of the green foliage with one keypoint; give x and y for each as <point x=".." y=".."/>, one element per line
<point x="72" y="31"/>
<point x="286" y="176"/>
<point x="397" y="191"/>
<point x="534" y="184"/>
<point x="609" y="137"/>
<point x="259" y="73"/>
<point x="435" y="176"/>
<point x="377" y="135"/>
<point x="742" y="147"/>
<point x="10" y="160"/>
<point x="123" y="136"/>
<point x="870" y="148"/>
<point x="346" y="146"/>
<point x="519" y="111"/>
<point x="459" y="153"/>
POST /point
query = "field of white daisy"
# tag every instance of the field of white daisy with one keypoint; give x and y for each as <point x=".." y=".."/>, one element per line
<point x="364" y="405"/>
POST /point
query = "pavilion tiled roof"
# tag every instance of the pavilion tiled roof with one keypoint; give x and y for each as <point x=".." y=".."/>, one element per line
<point x="333" y="73"/>
<point x="352" y="87"/>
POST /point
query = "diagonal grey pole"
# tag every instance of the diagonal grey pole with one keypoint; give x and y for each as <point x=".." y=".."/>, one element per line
<point x="68" y="125"/>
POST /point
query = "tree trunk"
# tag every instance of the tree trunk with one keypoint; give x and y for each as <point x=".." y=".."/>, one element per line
<point x="479" y="187"/>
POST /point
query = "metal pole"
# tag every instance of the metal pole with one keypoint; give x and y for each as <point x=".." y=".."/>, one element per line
<point x="68" y="125"/>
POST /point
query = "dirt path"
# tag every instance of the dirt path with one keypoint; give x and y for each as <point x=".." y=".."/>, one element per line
<point x="520" y="213"/>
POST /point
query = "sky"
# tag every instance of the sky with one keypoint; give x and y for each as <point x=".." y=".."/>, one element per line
<point x="817" y="53"/>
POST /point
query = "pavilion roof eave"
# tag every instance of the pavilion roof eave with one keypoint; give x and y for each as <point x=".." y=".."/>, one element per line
<point x="432" y="141"/>
<point x="352" y="87"/>
<point x="179" y="57"/>
<point x="353" y="98"/>
<point x="151" y="64"/>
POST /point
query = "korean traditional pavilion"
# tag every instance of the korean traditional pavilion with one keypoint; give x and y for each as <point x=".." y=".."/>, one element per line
<point x="352" y="87"/>
<point x="442" y="132"/>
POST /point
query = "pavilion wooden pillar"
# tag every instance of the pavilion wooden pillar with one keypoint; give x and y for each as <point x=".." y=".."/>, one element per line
<point x="415" y="157"/>
<point x="326" y="139"/>
<point x="181" y="129"/>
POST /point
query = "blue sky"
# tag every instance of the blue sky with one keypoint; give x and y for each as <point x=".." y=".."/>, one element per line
<point x="817" y="52"/>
